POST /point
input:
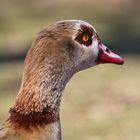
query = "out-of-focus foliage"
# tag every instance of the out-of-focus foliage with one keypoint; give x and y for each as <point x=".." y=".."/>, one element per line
<point x="117" y="21"/>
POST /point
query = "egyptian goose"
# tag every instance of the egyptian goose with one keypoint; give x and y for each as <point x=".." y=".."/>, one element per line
<point x="58" y="52"/>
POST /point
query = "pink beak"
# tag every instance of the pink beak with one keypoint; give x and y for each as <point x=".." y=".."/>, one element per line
<point x="107" y="56"/>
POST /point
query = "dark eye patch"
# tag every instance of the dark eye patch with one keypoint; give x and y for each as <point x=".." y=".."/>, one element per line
<point x="85" y="30"/>
<point x="97" y="37"/>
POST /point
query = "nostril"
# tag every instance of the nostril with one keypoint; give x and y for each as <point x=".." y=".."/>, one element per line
<point x="107" y="50"/>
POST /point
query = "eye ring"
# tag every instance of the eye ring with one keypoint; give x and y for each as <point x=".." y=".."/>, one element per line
<point x="85" y="38"/>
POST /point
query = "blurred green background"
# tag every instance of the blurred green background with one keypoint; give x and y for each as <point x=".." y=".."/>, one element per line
<point x="101" y="103"/>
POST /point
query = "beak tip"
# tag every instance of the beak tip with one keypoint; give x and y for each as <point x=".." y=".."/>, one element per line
<point x="122" y="62"/>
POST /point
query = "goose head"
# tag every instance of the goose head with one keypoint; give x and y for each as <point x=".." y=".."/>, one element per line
<point x="73" y="44"/>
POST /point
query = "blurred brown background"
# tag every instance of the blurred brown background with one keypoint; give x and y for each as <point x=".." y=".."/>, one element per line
<point x="102" y="103"/>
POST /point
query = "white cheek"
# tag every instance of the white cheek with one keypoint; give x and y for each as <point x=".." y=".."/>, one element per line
<point x="95" y="48"/>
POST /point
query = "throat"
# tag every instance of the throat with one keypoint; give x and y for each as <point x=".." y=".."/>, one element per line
<point x="39" y="98"/>
<point x="35" y="107"/>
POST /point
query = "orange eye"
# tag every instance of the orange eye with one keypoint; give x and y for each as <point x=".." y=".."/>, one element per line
<point x="85" y="38"/>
